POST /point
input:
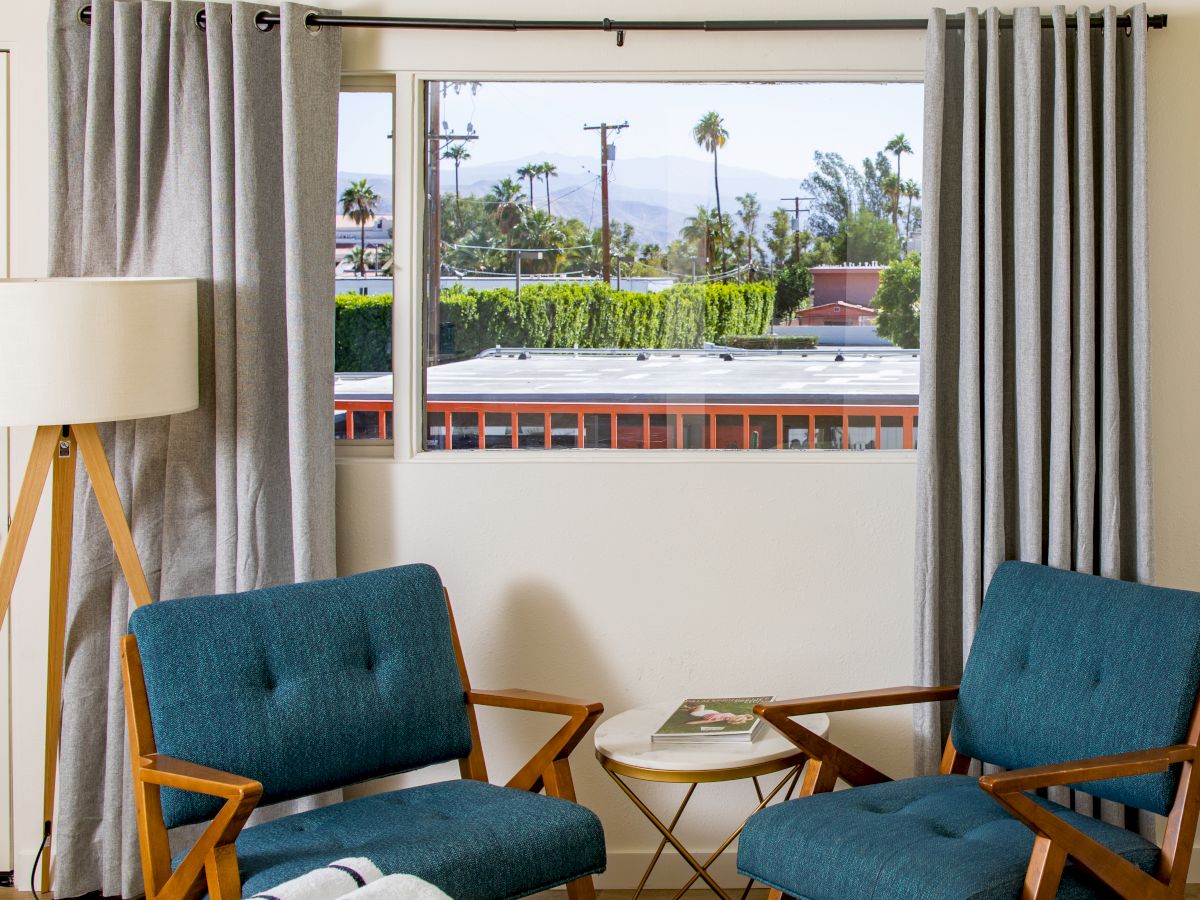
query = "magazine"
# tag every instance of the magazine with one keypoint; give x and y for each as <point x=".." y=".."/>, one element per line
<point x="712" y="720"/>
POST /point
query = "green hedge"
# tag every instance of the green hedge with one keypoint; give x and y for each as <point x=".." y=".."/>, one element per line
<point x="558" y="315"/>
<point x="770" y="341"/>
<point x="595" y="315"/>
<point x="362" y="333"/>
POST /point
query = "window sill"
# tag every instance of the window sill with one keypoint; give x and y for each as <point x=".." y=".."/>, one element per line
<point x="380" y="451"/>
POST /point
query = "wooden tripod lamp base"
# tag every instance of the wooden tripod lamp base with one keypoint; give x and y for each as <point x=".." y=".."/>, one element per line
<point x="56" y="447"/>
<point x="73" y="352"/>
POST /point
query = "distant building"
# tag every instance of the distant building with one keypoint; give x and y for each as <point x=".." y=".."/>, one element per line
<point x="854" y="284"/>
<point x="837" y="312"/>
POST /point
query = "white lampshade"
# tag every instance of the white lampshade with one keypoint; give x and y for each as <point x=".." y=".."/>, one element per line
<point x="75" y="350"/>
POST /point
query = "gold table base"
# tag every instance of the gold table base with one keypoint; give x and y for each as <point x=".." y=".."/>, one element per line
<point x="791" y="777"/>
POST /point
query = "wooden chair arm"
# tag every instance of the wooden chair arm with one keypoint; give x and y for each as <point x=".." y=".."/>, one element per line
<point x="534" y="701"/>
<point x="548" y="767"/>
<point x="167" y="771"/>
<point x="827" y="761"/>
<point x="1121" y="765"/>
<point x="895" y="696"/>
<point x="1056" y="838"/>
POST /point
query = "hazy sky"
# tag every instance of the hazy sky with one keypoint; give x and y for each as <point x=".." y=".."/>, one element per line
<point x="770" y="125"/>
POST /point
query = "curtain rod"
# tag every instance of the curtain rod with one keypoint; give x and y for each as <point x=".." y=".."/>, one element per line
<point x="266" y="21"/>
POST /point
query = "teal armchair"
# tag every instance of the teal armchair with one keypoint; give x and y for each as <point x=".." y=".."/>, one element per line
<point x="1071" y="680"/>
<point x="276" y="694"/>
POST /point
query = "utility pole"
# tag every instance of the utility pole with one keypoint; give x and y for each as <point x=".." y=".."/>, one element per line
<point x="795" y="201"/>
<point x="604" y="128"/>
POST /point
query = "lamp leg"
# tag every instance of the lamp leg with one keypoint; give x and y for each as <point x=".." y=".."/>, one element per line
<point x="62" y="520"/>
<point x="92" y="451"/>
<point x="32" y="486"/>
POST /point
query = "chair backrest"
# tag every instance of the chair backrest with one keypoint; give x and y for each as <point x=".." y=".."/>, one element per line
<point x="1067" y="666"/>
<point x="304" y="687"/>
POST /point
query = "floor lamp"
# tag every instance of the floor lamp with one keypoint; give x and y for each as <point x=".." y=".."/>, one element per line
<point x="74" y="352"/>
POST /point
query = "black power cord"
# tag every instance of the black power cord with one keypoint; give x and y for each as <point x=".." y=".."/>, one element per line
<point x="33" y="871"/>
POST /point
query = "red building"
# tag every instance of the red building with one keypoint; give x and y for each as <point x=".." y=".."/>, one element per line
<point x="838" y="312"/>
<point x="853" y="283"/>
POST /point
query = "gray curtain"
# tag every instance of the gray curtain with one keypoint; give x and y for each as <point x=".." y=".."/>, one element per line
<point x="204" y="152"/>
<point x="1034" y="333"/>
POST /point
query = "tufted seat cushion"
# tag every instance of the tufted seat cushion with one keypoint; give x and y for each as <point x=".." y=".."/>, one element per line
<point x="933" y="838"/>
<point x="471" y="839"/>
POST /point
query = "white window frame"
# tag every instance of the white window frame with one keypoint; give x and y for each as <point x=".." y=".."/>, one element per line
<point x="407" y="59"/>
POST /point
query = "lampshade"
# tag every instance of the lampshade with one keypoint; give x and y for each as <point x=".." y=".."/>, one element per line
<point x="76" y="350"/>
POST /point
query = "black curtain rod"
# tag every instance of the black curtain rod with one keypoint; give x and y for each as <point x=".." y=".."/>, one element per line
<point x="266" y="21"/>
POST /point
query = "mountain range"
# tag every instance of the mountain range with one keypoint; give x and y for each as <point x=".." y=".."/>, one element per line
<point x="654" y="194"/>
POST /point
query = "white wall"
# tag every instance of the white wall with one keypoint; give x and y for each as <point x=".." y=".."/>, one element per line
<point x="635" y="579"/>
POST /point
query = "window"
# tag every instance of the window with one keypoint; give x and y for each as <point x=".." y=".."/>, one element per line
<point x="364" y="242"/>
<point x="663" y="266"/>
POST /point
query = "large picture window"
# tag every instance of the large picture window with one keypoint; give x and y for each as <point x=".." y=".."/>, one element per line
<point x="655" y="265"/>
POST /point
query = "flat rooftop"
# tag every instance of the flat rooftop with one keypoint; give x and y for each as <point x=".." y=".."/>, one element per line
<point x="664" y="376"/>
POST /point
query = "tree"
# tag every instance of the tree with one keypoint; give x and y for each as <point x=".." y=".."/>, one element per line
<point x="699" y="230"/>
<point x="899" y="302"/>
<point x="750" y="210"/>
<point x="384" y="257"/>
<point x="710" y="134"/>
<point x="357" y="259"/>
<point x="530" y="171"/>
<point x="460" y="154"/>
<point x="548" y="170"/>
<point x="359" y="203"/>
<point x="781" y="238"/>
<point x="898" y="145"/>
<point x="876" y="174"/>
<point x="865" y="237"/>
<point x="792" y="290"/>
<point x="836" y="188"/>
<point x="538" y="230"/>
<point x="911" y="191"/>
<point x="506" y="200"/>
<point x="893" y="188"/>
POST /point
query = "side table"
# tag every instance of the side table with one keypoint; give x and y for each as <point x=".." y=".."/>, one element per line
<point x="625" y="751"/>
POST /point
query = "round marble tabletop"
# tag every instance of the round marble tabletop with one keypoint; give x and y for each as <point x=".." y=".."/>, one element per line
<point x="623" y="743"/>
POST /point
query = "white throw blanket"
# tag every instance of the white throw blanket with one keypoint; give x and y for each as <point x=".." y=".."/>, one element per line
<point x="354" y="878"/>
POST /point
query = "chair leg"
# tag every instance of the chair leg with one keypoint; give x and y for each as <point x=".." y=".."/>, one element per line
<point x="773" y="894"/>
<point x="221" y="869"/>
<point x="581" y="889"/>
<point x="1045" y="870"/>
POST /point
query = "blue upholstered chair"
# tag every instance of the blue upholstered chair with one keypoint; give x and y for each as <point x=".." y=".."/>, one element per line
<point x="276" y="694"/>
<point x="1071" y="680"/>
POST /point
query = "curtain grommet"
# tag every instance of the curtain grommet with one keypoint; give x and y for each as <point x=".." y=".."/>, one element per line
<point x="262" y="26"/>
<point x="84" y="15"/>
<point x="313" y="27"/>
<point x="201" y="20"/>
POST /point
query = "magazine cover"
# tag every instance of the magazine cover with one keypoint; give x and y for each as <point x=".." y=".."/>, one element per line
<point x="712" y="719"/>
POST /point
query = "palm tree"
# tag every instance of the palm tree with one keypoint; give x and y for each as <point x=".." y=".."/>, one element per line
<point x="911" y="191"/>
<point x="506" y="198"/>
<point x="548" y="170"/>
<point x="460" y="154"/>
<point x="699" y="230"/>
<point x="750" y="210"/>
<point x="898" y="145"/>
<point x="539" y="229"/>
<point x="892" y="189"/>
<point x="384" y="257"/>
<point x="530" y="171"/>
<point x="710" y="134"/>
<point x="357" y="259"/>
<point x="359" y="202"/>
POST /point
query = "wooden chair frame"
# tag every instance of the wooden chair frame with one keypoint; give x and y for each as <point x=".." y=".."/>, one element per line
<point x="211" y="865"/>
<point x="1054" y="839"/>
